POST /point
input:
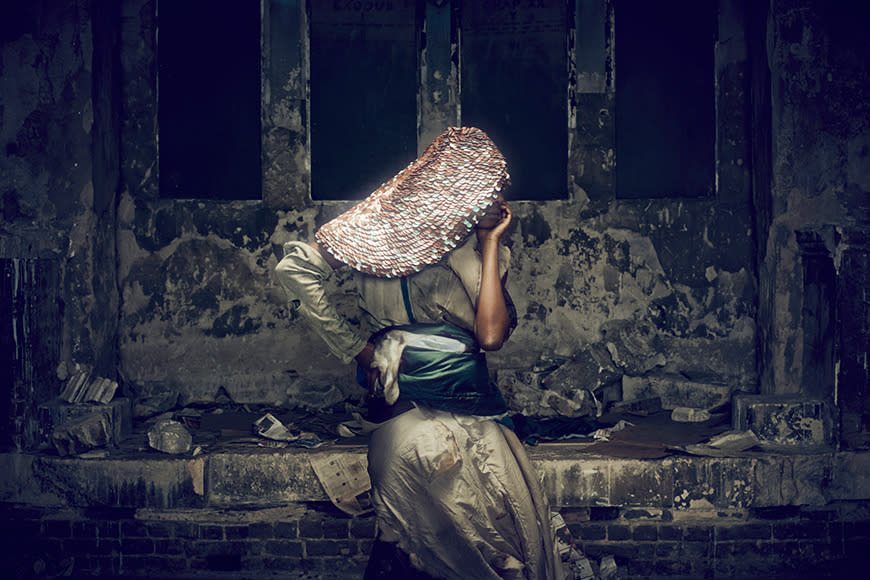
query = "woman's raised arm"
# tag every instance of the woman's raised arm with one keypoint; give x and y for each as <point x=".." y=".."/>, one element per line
<point x="492" y="320"/>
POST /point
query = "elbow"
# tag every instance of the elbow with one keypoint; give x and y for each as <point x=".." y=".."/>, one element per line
<point x="492" y="342"/>
<point x="283" y="267"/>
<point x="491" y="335"/>
<point x="491" y="345"/>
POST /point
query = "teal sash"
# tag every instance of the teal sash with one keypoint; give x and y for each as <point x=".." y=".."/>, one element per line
<point x="449" y="381"/>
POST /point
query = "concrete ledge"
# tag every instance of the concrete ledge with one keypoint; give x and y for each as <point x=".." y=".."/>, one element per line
<point x="53" y="481"/>
<point x="683" y="482"/>
<point x="262" y="478"/>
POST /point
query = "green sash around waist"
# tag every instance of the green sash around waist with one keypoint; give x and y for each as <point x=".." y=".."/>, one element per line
<point x="449" y="381"/>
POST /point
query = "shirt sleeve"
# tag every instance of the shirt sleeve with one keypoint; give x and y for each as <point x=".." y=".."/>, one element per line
<point x="302" y="273"/>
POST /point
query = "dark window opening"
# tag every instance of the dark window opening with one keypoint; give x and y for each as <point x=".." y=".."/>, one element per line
<point x="363" y="95"/>
<point x="514" y="87"/>
<point x="665" y="102"/>
<point x="209" y="100"/>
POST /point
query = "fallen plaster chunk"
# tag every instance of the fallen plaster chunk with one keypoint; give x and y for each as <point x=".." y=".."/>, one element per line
<point x="689" y="415"/>
<point x="170" y="436"/>
<point x="76" y="428"/>
<point x="83" y="434"/>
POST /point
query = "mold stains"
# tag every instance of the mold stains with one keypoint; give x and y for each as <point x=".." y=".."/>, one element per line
<point x="10" y="206"/>
<point x="580" y="245"/>
<point x="670" y="314"/>
<point x="31" y="140"/>
<point x="618" y="253"/>
<point x="535" y="230"/>
<point x="243" y="229"/>
<point x="166" y="227"/>
<point x="234" y="321"/>
<point x="205" y="300"/>
<point x="191" y="285"/>
<point x="564" y="283"/>
<point x="536" y="311"/>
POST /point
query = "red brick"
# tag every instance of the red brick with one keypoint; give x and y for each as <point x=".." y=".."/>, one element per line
<point x="799" y="530"/>
<point x="618" y="533"/>
<point x="363" y="527"/>
<point x="84" y="529"/>
<point x="286" y="530"/>
<point x="211" y="532"/>
<point x="588" y="532"/>
<point x="108" y="529"/>
<point x="603" y="513"/>
<point x="224" y="562"/>
<point x="159" y="530"/>
<point x="236" y="532"/>
<point x="330" y="548"/>
<point x="645" y="533"/>
<point x="283" y="565"/>
<point x="698" y="534"/>
<point x="133" y="529"/>
<point x="168" y="547"/>
<point x="759" y="531"/>
<point x="311" y="528"/>
<point x="857" y="529"/>
<point x="335" y="529"/>
<point x="155" y="565"/>
<point x="672" y="568"/>
<point x="284" y="547"/>
<point x="108" y="546"/>
<point x="668" y="550"/>
<point x="185" y="530"/>
<point x="137" y="546"/>
<point x="670" y="533"/>
<point x="263" y="530"/>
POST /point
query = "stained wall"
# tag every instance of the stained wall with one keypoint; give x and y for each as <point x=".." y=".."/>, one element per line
<point x="691" y="299"/>
<point x="660" y="294"/>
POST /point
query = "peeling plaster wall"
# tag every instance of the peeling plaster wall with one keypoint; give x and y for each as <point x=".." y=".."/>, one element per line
<point x="58" y="179"/>
<point x="644" y="296"/>
<point x="612" y="283"/>
<point x="821" y="164"/>
<point x="661" y="294"/>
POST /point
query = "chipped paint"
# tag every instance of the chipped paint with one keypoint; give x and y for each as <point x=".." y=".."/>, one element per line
<point x="663" y="288"/>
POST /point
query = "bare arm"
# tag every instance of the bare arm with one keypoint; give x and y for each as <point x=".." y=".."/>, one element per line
<point x="492" y="321"/>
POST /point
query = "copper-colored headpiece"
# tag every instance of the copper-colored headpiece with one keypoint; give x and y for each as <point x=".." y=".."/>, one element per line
<point x="423" y="212"/>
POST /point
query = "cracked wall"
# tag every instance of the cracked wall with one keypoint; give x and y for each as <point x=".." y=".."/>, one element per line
<point x="630" y="298"/>
<point x="660" y="294"/>
<point x="58" y="176"/>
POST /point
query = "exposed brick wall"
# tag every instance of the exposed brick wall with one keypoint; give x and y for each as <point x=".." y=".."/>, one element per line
<point x="316" y="541"/>
<point x="782" y="542"/>
<point x="312" y="541"/>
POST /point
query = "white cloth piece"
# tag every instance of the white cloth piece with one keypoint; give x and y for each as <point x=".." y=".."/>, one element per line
<point x="388" y="356"/>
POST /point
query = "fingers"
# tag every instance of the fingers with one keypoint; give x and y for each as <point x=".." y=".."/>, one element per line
<point x="506" y="218"/>
<point x="506" y="212"/>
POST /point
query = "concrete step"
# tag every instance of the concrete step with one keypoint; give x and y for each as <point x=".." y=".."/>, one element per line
<point x="272" y="477"/>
